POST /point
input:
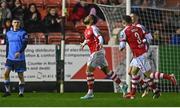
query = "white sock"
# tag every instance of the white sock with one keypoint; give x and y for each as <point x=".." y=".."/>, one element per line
<point x="90" y="91"/>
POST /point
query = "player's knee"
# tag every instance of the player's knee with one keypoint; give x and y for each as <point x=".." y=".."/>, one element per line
<point x="134" y="71"/>
<point x="147" y="74"/>
<point x="90" y="69"/>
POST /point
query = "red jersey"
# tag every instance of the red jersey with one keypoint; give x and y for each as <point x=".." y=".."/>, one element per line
<point x="142" y="27"/>
<point x="91" y="36"/>
<point x="134" y="36"/>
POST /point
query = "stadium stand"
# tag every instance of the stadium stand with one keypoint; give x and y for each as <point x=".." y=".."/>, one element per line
<point x="37" y="38"/>
<point x="53" y="3"/>
<point x="54" y="38"/>
<point x="73" y="38"/>
<point x="39" y="3"/>
<point x="73" y="32"/>
<point x="1" y="40"/>
<point x="70" y="38"/>
<point x="172" y="3"/>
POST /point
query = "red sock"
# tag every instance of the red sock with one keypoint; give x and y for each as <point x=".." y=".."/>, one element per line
<point x="114" y="77"/>
<point x="134" y="81"/>
<point x="90" y="80"/>
<point x="151" y="84"/>
<point x="158" y="75"/>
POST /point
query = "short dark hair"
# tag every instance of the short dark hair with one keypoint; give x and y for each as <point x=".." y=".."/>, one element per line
<point x="127" y="19"/>
<point x="18" y="19"/>
<point x="94" y="18"/>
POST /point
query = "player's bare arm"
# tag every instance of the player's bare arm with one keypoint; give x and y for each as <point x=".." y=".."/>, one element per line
<point x="83" y="44"/>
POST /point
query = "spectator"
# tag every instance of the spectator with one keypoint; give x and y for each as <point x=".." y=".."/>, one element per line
<point x="118" y="2"/>
<point x="153" y="3"/>
<point x="159" y="3"/>
<point x="78" y="12"/>
<point x="175" y="39"/>
<point x="82" y="9"/>
<point x="104" y="2"/>
<point x="137" y="2"/>
<point x="157" y="40"/>
<point x="10" y="4"/>
<point x="6" y="28"/>
<point x="115" y="33"/>
<point x="52" y="21"/>
<point x="6" y="25"/>
<point x="5" y="13"/>
<point x="32" y="19"/>
<point x="95" y="10"/>
<point x="18" y="11"/>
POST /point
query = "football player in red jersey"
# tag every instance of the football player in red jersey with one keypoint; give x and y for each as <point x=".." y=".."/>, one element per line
<point x="94" y="41"/>
<point x="135" y="37"/>
<point x="146" y="83"/>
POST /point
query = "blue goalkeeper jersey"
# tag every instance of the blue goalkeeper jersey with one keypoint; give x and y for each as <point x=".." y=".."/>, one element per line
<point x="16" y="42"/>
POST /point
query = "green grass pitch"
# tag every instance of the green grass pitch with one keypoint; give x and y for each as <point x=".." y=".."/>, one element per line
<point x="100" y="100"/>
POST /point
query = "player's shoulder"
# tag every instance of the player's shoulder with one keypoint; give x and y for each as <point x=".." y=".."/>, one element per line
<point x="138" y="25"/>
<point x="22" y="31"/>
<point x="127" y="28"/>
<point x="8" y="31"/>
<point x="141" y="26"/>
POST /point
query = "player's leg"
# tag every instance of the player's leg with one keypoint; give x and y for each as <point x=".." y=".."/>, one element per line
<point x="91" y="64"/>
<point x="146" y="69"/>
<point x="156" y="91"/>
<point x="20" y="68"/>
<point x="137" y="65"/>
<point x="135" y="79"/>
<point x="134" y="82"/>
<point x="144" y="84"/>
<point x="158" y="75"/>
<point x="7" y="82"/>
<point x="102" y="62"/>
<point x="151" y="85"/>
<point x="112" y="75"/>
<point x="145" y="87"/>
<point x="21" y="83"/>
<point x="90" y="82"/>
<point x="8" y="68"/>
<point x="115" y="78"/>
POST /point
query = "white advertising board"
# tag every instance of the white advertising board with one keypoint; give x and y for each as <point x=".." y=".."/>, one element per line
<point x="40" y="62"/>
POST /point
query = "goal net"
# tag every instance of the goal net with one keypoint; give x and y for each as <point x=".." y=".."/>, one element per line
<point x="164" y="25"/>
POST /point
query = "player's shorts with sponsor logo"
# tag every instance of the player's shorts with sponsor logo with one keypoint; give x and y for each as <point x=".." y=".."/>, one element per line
<point x="97" y="59"/>
<point x="17" y="66"/>
<point x="141" y="62"/>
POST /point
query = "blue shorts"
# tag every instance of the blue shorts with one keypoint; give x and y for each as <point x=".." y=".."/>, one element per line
<point x="17" y="66"/>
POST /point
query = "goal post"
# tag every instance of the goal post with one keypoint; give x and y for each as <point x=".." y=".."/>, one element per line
<point x="128" y="12"/>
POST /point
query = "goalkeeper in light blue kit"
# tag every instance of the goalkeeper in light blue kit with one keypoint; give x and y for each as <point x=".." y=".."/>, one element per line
<point x="16" y="39"/>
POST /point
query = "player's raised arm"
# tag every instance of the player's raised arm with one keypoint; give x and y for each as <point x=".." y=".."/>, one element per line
<point x="97" y="33"/>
